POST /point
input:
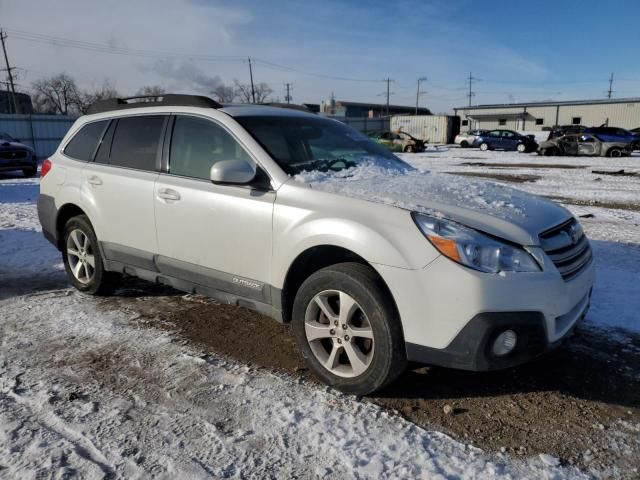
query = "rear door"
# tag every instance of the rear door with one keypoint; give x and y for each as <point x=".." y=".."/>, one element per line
<point x="119" y="184"/>
<point x="218" y="236"/>
<point x="509" y="140"/>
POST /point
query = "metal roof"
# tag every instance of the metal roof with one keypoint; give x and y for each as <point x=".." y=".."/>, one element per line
<point x="551" y="103"/>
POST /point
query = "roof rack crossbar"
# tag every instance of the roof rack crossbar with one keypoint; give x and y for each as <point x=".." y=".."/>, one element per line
<point x="164" y="100"/>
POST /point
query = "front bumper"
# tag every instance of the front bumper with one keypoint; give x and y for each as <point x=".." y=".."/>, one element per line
<point x="471" y="349"/>
<point x="450" y="313"/>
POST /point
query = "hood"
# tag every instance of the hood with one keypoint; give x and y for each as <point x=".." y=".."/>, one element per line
<point x="485" y="206"/>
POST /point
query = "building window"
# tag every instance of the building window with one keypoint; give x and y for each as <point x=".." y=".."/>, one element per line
<point x="465" y="123"/>
<point x="539" y="121"/>
<point x="502" y="121"/>
<point x="576" y="120"/>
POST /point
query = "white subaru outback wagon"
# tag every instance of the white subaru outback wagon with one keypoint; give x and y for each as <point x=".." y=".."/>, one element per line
<point x="304" y="219"/>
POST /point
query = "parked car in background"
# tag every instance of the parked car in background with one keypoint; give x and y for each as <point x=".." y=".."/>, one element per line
<point x="214" y="200"/>
<point x="584" y="144"/>
<point x="615" y="134"/>
<point x="16" y="156"/>
<point x="506" y="140"/>
<point x="562" y="130"/>
<point x="399" y="141"/>
<point x="466" y="139"/>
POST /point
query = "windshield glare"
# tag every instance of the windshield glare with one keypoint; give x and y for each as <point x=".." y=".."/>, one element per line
<point x="300" y="144"/>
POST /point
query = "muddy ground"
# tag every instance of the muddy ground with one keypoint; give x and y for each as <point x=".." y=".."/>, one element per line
<point x="578" y="403"/>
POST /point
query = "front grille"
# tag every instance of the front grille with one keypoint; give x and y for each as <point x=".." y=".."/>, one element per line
<point x="568" y="248"/>
<point x="13" y="154"/>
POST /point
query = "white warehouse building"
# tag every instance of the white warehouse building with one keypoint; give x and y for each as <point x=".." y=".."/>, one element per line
<point x="533" y="116"/>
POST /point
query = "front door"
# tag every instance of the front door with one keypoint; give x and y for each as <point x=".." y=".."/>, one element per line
<point x="217" y="236"/>
<point x="588" y="145"/>
<point x="570" y="145"/>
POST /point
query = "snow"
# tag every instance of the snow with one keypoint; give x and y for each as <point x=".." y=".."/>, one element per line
<point x="92" y="391"/>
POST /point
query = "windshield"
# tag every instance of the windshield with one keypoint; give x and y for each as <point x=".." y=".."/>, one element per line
<point x="300" y="144"/>
<point x="6" y="137"/>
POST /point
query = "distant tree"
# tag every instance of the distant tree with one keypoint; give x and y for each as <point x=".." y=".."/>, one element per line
<point x="224" y="93"/>
<point x="243" y="90"/>
<point x="151" y="91"/>
<point x="87" y="98"/>
<point x="58" y="95"/>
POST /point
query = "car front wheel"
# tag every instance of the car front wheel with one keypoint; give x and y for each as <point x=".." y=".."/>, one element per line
<point x="348" y="330"/>
<point x="484" y="146"/>
<point x="614" y="152"/>
<point x="521" y="148"/>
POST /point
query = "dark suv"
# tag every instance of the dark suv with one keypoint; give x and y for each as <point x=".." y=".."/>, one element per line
<point x="562" y="130"/>
<point x="16" y="156"/>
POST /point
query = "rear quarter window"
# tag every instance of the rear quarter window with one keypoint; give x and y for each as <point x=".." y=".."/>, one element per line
<point x="83" y="144"/>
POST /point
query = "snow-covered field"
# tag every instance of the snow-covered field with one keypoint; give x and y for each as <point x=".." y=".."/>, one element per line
<point x="97" y="393"/>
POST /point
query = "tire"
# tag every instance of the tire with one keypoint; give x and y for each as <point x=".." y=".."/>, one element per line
<point x="484" y="146"/>
<point x="614" y="152"/>
<point x="409" y="149"/>
<point x="29" y="172"/>
<point x="376" y="342"/>
<point x="521" y="148"/>
<point x="80" y="238"/>
<point x="551" y="152"/>
<point x="542" y="152"/>
<point x="464" y="144"/>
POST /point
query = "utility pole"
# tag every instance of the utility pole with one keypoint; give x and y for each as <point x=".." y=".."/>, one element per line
<point x="388" y="80"/>
<point x="610" y="86"/>
<point x="3" y="36"/>
<point x="253" y="90"/>
<point x="471" y="94"/>
<point x="418" y="92"/>
<point x="287" y="97"/>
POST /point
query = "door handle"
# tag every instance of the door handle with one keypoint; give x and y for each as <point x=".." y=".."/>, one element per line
<point x="94" y="180"/>
<point x="168" y="194"/>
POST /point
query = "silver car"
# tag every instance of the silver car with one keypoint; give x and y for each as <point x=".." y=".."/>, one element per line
<point x="467" y="139"/>
<point x="584" y="145"/>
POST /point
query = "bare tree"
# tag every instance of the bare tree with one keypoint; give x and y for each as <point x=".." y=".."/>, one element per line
<point x="57" y="94"/>
<point x="89" y="97"/>
<point x="243" y="90"/>
<point x="154" y="91"/>
<point x="225" y="93"/>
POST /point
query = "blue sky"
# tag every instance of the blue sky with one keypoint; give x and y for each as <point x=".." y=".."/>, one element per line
<point x="518" y="51"/>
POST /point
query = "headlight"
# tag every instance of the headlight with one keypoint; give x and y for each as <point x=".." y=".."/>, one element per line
<point x="473" y="249"/>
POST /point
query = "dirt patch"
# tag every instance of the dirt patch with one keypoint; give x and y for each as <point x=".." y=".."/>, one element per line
<point x="503" y="177"/>
<point x="571" y="403"/>
<point x="522" y="165"/>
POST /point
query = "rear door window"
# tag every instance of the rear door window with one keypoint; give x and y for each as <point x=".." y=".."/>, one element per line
<point x="197" y="144"/>
<point x="136" y="141"/>
<point x="83" y="144"/>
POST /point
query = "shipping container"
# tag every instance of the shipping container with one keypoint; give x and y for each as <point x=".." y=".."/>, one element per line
<point x="435" y="129"/>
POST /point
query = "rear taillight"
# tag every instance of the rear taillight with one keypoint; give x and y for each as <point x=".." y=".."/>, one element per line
<point x="46" y="166"/>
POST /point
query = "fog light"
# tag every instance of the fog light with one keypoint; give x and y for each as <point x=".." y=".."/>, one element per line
<point x="504" y="343"/>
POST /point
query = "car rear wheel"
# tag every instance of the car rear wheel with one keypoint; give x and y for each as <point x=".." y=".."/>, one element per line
<point x="347" y="329"/>
<point x="409" y="149"/>
<point x="464" y="144"/>
<point x="484" y="146"/>
<point x="614" y="152"/>
<point x="82" y="259"/>
<point x="521" y="148"/>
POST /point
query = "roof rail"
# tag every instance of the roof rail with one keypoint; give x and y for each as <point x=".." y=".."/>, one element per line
<point x="168" y="99"/>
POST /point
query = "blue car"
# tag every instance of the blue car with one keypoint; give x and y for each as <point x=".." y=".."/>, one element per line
<point x="615" y="134"/>
<point x="17" y="156"/>
<point x="506" y="140"/>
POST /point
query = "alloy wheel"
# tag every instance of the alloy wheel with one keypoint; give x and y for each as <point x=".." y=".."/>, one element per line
<point x="339" y="333"/>
<point x="80" y="256"/>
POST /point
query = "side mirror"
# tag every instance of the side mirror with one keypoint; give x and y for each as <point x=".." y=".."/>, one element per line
<point x="233" y="171"/>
